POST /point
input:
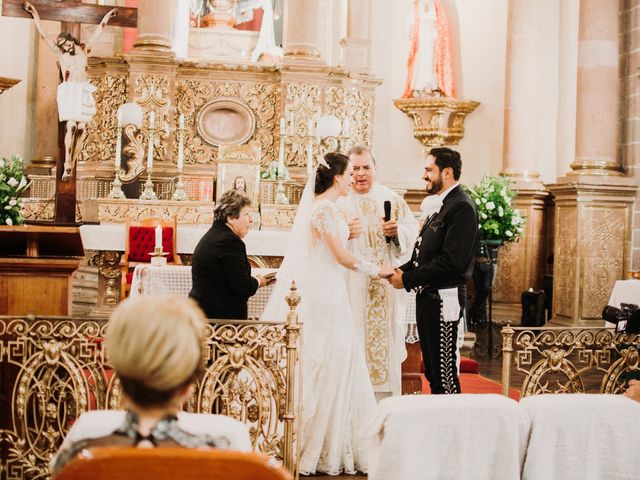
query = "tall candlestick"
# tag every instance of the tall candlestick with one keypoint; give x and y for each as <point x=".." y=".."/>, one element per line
<point x="152" y="120"/>
<point x="159" y="237"/>
<point x="181" y="144"/>
<point x="309" y="158"/>
<point x="119" y="141"/>
<point x="346" y="128"/>
<point x="310" y="128"/>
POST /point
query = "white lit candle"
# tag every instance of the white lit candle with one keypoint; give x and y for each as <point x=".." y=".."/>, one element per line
<point x="310" y="159"/>
<point x="293" y="124"/>
<point x="282" y="126"/>
<point x="181" y="144"/>
<point x="159" y="237"/>
<point x="152" y="121"/>
<point x="346" y="128"/>
<point x="119" y="141"/>
<point x="310" y="127"/>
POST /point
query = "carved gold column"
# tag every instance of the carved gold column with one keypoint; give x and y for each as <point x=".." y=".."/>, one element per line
<point x="592" y="235"/>
<point x="300" y="32"/>
<point x="521" y="265"/>
<point x="155" y="27"/>
<point x="357" y="44"/>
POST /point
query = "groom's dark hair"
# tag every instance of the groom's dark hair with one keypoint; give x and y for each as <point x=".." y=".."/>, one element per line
<point x="324" y="176"/>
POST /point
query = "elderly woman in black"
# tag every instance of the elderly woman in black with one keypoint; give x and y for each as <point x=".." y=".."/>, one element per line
<point x="222" y="281"/>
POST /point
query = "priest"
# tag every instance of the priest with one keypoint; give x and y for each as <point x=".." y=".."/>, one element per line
<point x="378" y="308"/>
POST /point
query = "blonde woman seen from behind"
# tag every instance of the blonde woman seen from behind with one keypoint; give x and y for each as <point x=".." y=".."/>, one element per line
<point x="155" y="346"/>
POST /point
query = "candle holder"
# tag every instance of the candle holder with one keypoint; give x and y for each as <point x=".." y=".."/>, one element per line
<point x="281" y="195"/>
<point x="179" y="192"/>
<point x="116" y="186"/>
<point x="158" y="257"/>
<point x="148" y="193"/>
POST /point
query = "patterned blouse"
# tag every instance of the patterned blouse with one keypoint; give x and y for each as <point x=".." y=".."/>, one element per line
<point x="165" y="433"/>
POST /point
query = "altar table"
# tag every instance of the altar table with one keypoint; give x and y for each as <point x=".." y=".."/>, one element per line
<point x="110" y="237"/>
<point x="176" y="279"/>
<point x="624" y="291"/>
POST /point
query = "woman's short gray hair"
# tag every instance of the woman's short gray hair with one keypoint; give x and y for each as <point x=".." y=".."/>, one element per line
<point x="230" y="204"/>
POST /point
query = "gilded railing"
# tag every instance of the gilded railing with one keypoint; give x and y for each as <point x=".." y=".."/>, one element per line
<point x="54" y="368"/>
<point x="568" y="360"/>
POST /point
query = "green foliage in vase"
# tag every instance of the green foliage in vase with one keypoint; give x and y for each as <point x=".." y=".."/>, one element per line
<point x="13" y="183"/>
<point x="498" y="220"/>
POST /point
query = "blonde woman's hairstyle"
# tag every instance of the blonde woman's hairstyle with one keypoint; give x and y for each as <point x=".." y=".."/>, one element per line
<point x="155" y="345"/>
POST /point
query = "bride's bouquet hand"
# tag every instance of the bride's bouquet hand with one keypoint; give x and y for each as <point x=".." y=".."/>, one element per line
<point x="385" y="271"/>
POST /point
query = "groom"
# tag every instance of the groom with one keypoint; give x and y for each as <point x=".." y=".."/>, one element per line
<point x="441" y="263"/>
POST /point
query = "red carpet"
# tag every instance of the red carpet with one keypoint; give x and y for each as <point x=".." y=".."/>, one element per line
<point x="471" y="381"/>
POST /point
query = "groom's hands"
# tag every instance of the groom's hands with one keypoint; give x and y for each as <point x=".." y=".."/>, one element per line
<point x="396" y="279"/>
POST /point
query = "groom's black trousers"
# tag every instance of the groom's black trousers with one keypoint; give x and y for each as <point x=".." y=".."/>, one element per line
<point x="438" y="344"/>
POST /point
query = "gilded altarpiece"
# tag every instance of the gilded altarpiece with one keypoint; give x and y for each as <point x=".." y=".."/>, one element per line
<point x="591" y="247"/>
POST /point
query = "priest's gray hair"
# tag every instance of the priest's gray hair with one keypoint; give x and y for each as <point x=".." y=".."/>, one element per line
<point x="230" y="204"/>
<point x="359" y="149"/>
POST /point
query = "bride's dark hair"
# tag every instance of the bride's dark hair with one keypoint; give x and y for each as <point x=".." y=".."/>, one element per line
<point x="324" y="176"/>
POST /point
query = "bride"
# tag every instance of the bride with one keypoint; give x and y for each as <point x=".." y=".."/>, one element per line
<point x="337" y="396"/>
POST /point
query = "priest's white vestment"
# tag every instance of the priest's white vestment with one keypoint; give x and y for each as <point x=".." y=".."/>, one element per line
<point x="379" y="309"/>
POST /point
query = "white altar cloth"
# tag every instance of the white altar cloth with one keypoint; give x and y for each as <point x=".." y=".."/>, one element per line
<point x="467" y="436"/>
<point x="176" y="279"/>
<point x="110" y="236"/>
<point x="582" y="437"/>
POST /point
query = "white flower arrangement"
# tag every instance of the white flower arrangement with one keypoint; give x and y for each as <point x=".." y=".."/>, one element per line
<point x="497" y="220"/>
<point x="13" y="183"/>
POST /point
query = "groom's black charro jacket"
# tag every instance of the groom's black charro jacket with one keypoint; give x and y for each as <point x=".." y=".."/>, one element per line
<point x="443" y="254"/>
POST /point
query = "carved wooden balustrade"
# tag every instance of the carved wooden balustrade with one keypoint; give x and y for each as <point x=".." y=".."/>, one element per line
<point x="569" y="360"/>
<point x="54" y="368"/>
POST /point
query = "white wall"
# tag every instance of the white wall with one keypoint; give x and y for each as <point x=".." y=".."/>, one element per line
<point x="17" y="60"/>
<point x="478" y="30"/>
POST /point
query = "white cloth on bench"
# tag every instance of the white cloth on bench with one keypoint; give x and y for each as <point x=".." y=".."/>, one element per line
<point x="468" y="436"/>
<point x="582" y="436"/>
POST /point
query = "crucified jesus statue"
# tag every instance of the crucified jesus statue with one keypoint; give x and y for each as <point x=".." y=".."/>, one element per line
<point x="75" y="100"/>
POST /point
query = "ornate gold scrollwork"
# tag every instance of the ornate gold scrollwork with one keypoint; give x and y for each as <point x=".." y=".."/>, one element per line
<point x="56" y="369"/>
<point x="111" y="92"/>
<point x="559" y="360"/>
<point x="109" y="279"/>
<point x="261" y="98"/>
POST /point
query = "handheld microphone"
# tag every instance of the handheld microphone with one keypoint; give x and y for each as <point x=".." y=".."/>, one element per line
<point x="387" y="216"/>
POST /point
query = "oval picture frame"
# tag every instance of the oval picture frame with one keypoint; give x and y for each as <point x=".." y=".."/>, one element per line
<point x="225" y="121"/>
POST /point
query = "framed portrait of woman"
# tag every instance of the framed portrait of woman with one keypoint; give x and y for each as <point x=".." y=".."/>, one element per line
<point x="239" y="169"/>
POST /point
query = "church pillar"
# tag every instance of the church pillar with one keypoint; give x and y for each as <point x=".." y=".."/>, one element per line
<point x="521" y="265"/>
<point x="155" y="26"/>
<point x="357" y="44"/>
<point x="594" y="201"/>
<point x="300" y="32"/>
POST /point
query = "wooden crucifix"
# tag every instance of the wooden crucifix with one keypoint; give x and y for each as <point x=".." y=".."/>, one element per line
<point x="75" y="99"/>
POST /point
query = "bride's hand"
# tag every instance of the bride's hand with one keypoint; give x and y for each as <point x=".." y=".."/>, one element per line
<point x="385" y="271"/>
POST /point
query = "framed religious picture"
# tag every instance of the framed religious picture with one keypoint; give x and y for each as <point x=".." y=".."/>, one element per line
<point x="239" y="169"/>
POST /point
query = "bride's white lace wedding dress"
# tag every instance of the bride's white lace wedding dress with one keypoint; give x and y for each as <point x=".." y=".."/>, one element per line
<point x="337" y="396"/>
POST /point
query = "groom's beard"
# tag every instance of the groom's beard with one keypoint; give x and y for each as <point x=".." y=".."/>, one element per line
<point x="434" y="187"/>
